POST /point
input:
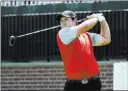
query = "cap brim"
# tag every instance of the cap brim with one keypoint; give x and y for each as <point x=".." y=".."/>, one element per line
<point x="59" y="17"/>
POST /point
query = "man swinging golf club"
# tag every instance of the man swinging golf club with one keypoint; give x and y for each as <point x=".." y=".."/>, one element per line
<point x="76" y="49"/>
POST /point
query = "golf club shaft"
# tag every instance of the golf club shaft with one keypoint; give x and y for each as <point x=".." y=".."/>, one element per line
<point x="45" y="29"/>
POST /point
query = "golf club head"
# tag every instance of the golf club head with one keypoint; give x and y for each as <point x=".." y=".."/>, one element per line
<point x="12" y="40"/>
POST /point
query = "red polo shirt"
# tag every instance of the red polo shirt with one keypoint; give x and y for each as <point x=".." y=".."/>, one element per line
<point x="78" y="57"/>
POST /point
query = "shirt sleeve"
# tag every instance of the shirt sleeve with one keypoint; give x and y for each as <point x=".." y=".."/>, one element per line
<point x="95" y="38"/>
<point x="68" y="34"/>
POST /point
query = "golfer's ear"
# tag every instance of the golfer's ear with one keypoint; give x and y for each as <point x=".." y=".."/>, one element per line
<point x="74" y="22"/>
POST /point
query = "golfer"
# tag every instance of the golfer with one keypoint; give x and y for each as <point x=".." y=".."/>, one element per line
<point x="76" y="43"/>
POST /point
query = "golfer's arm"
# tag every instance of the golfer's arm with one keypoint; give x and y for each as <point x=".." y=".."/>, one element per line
<point x="104" y="37"/>
<point x="105" y="31"/>
<point x="86" y="25"/>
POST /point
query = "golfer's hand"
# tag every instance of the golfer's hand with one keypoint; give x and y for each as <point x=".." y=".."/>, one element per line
<point x="91" y="16"/>
<point x="97" y="15"/>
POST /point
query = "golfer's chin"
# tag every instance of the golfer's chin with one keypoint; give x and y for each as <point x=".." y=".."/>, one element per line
<point x="64" y="26"/>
